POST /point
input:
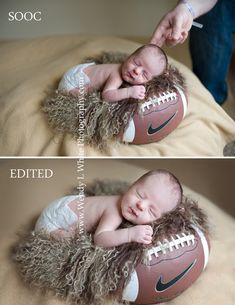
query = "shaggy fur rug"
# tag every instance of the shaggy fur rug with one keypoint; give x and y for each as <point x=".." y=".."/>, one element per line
<point x="95" y="121"/>
<point x="82" y="273"/>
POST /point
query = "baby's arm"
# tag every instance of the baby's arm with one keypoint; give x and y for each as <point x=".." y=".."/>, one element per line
<point x="112" y="92"/>
<point x="106" y="234"/>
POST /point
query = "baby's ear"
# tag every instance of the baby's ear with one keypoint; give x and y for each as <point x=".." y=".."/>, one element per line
<point x="180" y="208"/>
<point x="166" y="72"/>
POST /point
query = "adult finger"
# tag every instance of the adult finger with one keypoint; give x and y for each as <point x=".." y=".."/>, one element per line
<point x="172" y="42"/>
<point x="158" y="40"/>
<point x="184" y="37"/>
<point x="177" y="29"/>
<point x="161" y="31"/>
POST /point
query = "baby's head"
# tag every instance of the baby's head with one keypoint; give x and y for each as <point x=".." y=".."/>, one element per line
<point x="151" y="196"/>
<point x="145" y="63"/>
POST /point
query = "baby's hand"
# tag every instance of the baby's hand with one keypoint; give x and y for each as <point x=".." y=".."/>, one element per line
<point x="141" y="234"/>
<point x="137" y="92"/>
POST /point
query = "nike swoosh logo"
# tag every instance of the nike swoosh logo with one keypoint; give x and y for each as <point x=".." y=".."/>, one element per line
<point x="163" y="286"/>
<point x="152" y="130"/>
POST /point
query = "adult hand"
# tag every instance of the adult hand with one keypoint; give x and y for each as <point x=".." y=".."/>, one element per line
<point x="173" y="27"/>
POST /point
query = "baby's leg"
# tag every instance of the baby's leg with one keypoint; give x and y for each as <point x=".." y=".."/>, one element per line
<point x="75" y="91"/>
<point x="60" y="234"/>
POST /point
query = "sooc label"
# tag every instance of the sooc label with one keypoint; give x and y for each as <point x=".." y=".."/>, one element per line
<point x="26" y="16"/>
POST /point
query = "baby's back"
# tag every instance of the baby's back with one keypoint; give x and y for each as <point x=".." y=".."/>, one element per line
<point x="99" y="74"/>
<point x="66" y="211"/>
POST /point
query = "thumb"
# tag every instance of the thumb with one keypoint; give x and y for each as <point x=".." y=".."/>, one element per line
<point x="176" y="30"/>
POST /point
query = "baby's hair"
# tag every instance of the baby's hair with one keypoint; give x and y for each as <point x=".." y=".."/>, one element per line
<point x="175" y="183"/>
<point x="154" y="46"/>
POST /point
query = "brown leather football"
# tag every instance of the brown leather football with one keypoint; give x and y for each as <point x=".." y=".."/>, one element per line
<point x="169" y="268"/>
<point x="156" y="117"/>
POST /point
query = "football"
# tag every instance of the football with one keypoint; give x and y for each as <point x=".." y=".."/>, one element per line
<point x="156" y="117"/>
<point x="168" y="269"/>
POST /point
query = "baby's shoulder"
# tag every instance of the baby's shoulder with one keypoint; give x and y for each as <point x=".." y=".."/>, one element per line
<point x="113" y="205"/>
<point x="111" y="68"/>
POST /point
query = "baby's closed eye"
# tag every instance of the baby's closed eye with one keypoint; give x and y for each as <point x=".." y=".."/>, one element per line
<point x="140" y="195"/>
<point x="136" y="63"/>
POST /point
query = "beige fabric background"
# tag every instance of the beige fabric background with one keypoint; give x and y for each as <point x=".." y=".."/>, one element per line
<point x="103" y="17"/>
<point x="23" y="199"/>
<point x="29" y="68"/>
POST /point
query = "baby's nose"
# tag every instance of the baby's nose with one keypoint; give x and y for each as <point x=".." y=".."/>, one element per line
<point x="137" y="70"/>
<point x="140" y="206"/>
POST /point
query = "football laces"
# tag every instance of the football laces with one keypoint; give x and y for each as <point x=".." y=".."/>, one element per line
<point x="179" y="240"/>
<point x="162" y="98"/>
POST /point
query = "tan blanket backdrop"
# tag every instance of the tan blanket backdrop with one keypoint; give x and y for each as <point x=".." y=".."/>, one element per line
<point x="28" y="68"/>
<point x="22" y="201"/>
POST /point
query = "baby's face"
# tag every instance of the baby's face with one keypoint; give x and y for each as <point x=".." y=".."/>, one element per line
<point x="142" y="67"/>
<point x="147" y="200"/>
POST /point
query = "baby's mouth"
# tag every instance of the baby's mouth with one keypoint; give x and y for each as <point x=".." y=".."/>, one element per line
<point x="131" y="76"/>
<point x="132" y="211"/>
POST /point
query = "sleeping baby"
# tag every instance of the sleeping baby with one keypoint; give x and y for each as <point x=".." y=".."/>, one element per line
<point x="139" y="68"/>
<point x="147" y="199"/>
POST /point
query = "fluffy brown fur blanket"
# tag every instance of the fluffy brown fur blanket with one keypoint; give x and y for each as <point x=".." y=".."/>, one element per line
<point x="83" y="273"/>
<point x="103" y="121"/>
